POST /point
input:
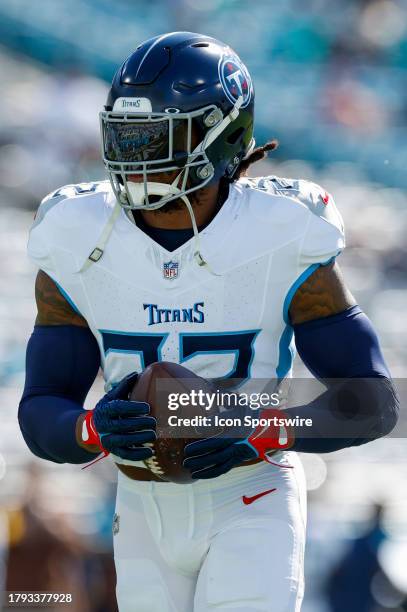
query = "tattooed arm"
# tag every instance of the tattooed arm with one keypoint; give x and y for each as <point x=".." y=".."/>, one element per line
<point x="62" y="362"/>
<point x="333" y="336"/>
<point x="53" y="309"/>
<point x="323" y="294"/>
<point x="338" y="344"/>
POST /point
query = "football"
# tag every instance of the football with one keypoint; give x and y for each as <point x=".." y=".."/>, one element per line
<point x="153" y="386"/>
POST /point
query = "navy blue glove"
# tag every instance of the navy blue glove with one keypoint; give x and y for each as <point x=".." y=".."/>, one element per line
<point x="122" y="425"/>
<point x="214" y="456"/>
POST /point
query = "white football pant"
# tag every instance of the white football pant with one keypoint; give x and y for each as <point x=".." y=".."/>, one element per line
<point x="200" y="548"/>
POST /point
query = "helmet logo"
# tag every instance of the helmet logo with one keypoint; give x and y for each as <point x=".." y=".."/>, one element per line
<point x="235" y="79"/>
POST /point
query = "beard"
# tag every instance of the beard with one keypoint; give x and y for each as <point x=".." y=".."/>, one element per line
<point x="175" y="205"/>
<point x="196" y="198"/>
<point x="200" y="197"/>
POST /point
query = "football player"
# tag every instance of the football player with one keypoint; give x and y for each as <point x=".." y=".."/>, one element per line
<point x="181" y="257"/>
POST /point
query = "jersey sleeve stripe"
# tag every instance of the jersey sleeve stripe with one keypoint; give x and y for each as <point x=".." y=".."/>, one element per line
<point x="286" y="353"/>
<point x="68" y="299"/>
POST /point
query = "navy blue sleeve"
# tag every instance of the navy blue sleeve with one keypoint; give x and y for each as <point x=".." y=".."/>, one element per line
<point x="344" y="345"/>
<point x="361" y="403"/>
<point x="61" y="364"/>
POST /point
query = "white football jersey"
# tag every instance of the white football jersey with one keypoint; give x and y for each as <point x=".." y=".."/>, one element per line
<point x="145" y="304"/>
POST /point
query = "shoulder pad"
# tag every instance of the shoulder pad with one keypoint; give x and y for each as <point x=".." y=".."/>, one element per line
<point x="309" y="194"/>
<point x="71" y="191"/>
<point x="64" y="193"/>
<point x="274" y="185"/>
<point x="281" y="185"/>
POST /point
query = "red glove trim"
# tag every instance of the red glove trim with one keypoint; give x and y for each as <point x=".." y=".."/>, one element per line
<point x="90" y="436"/>
<point x="266" y="438"/>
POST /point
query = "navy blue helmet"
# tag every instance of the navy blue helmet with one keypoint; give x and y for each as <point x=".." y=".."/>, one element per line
<point x="181" y="103"/>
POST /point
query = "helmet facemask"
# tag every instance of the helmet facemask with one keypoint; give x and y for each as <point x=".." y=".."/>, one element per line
<point x="142" y="145"/>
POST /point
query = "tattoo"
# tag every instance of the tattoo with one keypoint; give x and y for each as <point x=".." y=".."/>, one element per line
<point x="323" y="294"/>
<point x="53" y="309"/>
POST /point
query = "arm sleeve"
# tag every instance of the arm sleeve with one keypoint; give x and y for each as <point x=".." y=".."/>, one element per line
<point x="361" y="403"/>
<point x="61" y="365"/>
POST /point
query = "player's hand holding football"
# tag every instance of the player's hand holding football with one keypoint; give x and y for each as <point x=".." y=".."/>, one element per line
<point x="119" y="425"/>
<point x="212" y="457"/>
<point x="217" y="455"/>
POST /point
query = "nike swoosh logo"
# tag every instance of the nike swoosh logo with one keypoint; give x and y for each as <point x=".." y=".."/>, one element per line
<point x="85" y="433"/>
<point x="282" y="436"/>
<point x="250" y="500"/>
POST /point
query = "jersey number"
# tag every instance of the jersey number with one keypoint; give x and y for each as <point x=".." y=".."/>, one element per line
<point x="149" y="347"/>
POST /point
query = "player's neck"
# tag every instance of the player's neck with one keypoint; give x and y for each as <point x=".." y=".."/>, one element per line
<point x="205" y="210"/>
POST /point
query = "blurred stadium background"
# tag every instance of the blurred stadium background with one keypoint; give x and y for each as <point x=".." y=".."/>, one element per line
<point x="331" y="85"/>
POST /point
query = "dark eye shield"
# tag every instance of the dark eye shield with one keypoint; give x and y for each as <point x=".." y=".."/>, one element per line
<point x="145" y="142"/>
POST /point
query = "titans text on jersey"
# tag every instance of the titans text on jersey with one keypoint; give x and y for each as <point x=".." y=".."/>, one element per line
<point x="175" y="315"/>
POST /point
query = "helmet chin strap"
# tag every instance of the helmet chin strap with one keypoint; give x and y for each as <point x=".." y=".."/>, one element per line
<point x="140" y="193"/>
<point x="137" y="193"/>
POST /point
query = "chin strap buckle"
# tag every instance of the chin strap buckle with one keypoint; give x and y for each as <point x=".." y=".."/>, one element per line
<point x="96" y="254"/>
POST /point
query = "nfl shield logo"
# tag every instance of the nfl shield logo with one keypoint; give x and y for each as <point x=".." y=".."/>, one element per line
<point x="170" y="270"/>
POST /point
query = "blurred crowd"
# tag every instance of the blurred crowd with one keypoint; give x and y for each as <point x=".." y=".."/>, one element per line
<point x="330" y="80"/>
<point x="330" y="76"/>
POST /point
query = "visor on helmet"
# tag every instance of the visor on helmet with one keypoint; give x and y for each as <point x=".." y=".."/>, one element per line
<point x="145" y="142"/>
